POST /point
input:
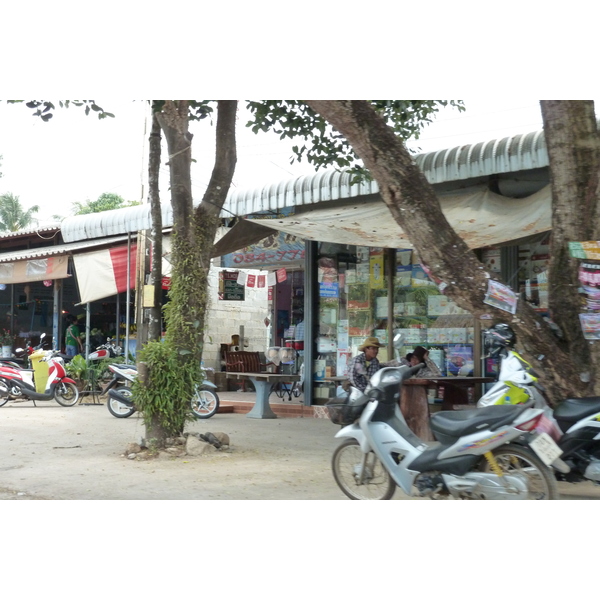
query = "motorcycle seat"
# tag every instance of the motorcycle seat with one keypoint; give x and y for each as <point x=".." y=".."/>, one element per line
<point x="452" y="424"/>
<point x="572" y="410"/>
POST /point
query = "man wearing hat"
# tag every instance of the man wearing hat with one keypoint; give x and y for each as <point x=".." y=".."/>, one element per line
<point x="365" y="364"/>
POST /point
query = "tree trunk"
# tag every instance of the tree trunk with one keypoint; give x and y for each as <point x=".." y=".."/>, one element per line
<point x="573" y="149"/>
<point x="193" y="231"/>
<point x="155" y="321"/>
<point x="415" y="207"/>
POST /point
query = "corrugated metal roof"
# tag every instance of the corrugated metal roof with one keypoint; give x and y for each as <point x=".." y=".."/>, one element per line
<point x="55" y="227"/>
<point x="516" y="153"/>
<point x="58" y="249"/>
<point x="507" y="155"/>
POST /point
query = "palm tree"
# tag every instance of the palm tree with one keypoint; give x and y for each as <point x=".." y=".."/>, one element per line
<point x="12" y="215"/>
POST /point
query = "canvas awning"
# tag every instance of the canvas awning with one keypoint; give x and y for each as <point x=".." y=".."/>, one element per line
<point x="103" y="273"/>
<point x="481" y="218"/>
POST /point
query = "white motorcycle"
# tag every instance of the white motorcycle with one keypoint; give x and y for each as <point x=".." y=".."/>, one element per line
<point x="204" y="404"/>
<point x="574" y="423"/>
<point x="473" y="458"/>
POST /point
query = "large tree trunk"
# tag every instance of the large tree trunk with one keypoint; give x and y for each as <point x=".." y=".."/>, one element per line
<point x="415" y="207"/>
<point x="573" y="148"/>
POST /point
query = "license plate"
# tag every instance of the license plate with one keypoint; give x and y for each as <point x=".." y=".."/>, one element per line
<point x="545" y="447"/>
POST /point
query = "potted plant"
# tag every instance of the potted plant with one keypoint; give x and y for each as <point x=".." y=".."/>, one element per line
<point x="6" y="341"/>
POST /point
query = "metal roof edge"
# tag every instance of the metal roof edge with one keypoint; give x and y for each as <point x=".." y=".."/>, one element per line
<point x="503" y="155"/>
<point x="59" y="249"/>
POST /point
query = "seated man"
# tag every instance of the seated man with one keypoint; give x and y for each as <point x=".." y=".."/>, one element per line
<point x="365" y="364"/>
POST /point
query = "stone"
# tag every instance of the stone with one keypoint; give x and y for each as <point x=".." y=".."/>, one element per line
<point x="175" y="451"/>
<point x="133" y="448"/>
<point x="132" y="456"/>
<point x="196" y="447"/>
<point x="222" y="437"/>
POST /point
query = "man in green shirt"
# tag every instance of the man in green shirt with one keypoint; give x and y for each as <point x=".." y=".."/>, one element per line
<point x="72" y="338"/>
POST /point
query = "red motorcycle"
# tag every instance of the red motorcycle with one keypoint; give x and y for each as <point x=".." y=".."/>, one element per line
<point x="18" y="383"/>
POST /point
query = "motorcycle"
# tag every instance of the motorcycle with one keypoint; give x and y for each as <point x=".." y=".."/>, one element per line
<point x="473" y="458"/>
<point x="204" y="403"/>
<point x="106" y="350"/>
<point x="574" y="423"/>
<point x="17" y="383"/>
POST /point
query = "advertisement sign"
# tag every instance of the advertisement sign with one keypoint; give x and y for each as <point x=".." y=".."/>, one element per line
<point x="229" y="288"/>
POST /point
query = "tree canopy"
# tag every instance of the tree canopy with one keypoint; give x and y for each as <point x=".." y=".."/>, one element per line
<point x="13" y="216"/>
<point x="104" y="202"/>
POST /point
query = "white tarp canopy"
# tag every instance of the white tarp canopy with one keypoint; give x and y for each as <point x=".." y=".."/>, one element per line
<point x="481" y="218"/>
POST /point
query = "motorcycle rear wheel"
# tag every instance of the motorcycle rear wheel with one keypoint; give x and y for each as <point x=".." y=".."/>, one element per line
<point x="347" y="462"/>
<point x="516" y="460"/>
<point x="118" y="409"/>
<point x="66" y="394"/>
<point x="4" y="392"/>
<point x="205" y="403"/>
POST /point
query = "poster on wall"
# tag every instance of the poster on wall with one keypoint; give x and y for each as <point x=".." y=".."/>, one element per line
<point x="342" y="334"/>
<point x="501" y="296"/>
<point x="376" y="268"/>
<point x="329" y="289"/>
<point x="343" y="358"/>
<point x="358" y="296"/>
<point x="229" y="288"/>
<point x="590" y="324"/>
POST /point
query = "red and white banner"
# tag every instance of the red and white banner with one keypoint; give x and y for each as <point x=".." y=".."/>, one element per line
<point x="103" y="273"/>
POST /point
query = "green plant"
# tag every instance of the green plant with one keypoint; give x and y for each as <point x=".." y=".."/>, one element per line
<point x="6" y="339"/>
<point x="77" y="368"/>
<point x="165" y="397"/>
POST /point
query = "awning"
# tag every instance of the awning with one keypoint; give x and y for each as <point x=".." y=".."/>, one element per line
<point x="481" y="218"/>
<point x="104" y="273"/>
<point x="21" y="271"/>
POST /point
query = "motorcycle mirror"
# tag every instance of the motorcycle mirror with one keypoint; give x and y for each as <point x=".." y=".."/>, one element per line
<point x="42" y="336"/>
<point x="398" y="340"/>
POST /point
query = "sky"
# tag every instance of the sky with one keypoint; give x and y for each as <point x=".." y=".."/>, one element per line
<point x="74" y="157"/>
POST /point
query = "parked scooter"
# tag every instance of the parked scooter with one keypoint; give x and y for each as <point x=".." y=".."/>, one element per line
<point x="574" y="423"/>
<point x="106" y="350"/>
<point x="204" y="403"/>
<point x="17" y="383"/>
<point x="473" y="459"/>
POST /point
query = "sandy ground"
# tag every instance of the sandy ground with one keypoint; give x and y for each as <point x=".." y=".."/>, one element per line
<point x="57" y="453"/>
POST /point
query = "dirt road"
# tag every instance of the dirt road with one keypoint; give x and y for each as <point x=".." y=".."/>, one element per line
<point x="52" y="452"/>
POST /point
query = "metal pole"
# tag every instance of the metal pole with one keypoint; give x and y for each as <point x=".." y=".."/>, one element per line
<point x="56" y="316"/>
<point x="87" y="331"/>
<point x="127" y="299"/>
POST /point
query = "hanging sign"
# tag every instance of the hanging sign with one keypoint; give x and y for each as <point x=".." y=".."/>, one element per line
<point x="501" y="296"/>
<point x="251" y="280"/>
<point x="585" y="250"/>
<point x="229" y="288"/>
<point x="261" y="281"/>
<point x="281" y="275"/>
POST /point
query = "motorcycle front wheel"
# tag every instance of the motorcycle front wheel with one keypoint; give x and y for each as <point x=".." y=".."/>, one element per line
<point x="66" y="393"/>
<point x="516" y="460"/>
<point x="118" y="409"/>
<point x="358" y="478"/>
<point x="205" y="403"/>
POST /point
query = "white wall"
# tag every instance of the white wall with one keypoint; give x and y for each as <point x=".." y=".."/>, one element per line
<point x="225" y="317"/>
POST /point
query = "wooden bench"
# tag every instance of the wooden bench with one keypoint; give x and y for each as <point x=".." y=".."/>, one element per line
<point x="244" y="362"/>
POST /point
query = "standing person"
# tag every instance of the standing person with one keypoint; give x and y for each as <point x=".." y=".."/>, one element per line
<point x="72" y="337"/>
<point x="364" y="365"/>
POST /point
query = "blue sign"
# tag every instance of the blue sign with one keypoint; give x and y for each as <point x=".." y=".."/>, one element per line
<point x="329" y="290"/>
